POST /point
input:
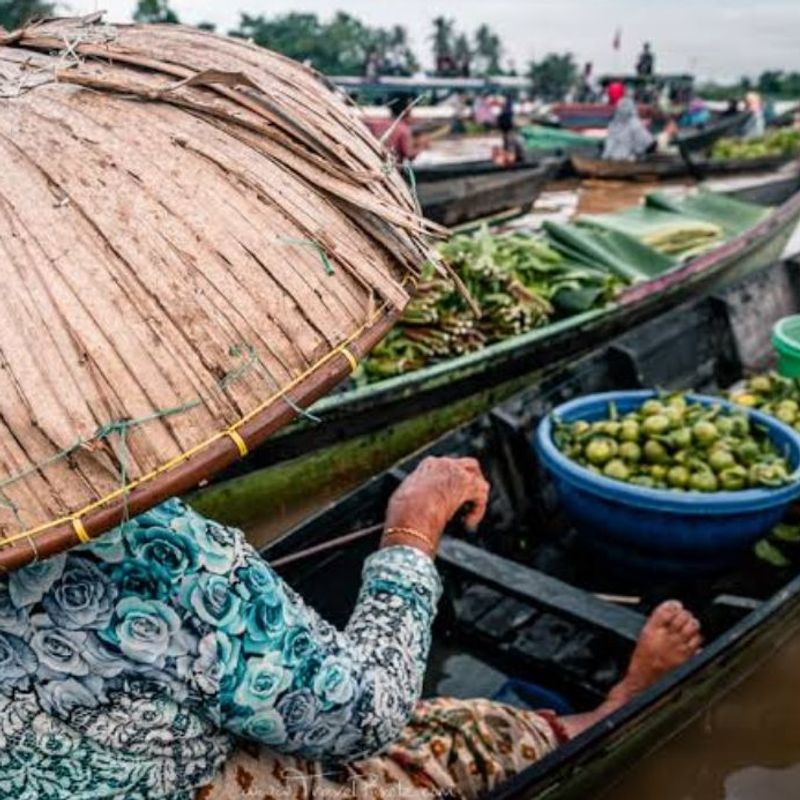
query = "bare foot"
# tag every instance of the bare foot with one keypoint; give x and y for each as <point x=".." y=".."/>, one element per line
<point x="670" y="637"/>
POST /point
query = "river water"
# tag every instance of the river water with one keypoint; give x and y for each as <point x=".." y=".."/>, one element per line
<point x="747" y="747"/>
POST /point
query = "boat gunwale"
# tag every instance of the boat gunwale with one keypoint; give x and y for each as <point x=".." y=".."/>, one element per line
<point x="735" y="639"/>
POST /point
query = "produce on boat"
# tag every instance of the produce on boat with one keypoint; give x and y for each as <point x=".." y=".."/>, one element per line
<point x="521" y="281"/>
<point x="675" y="443"/>
<point x="783" y="141"/>
<point x="517" y="283"/>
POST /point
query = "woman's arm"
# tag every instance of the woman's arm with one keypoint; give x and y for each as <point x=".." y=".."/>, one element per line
<point x="292" y="681"/>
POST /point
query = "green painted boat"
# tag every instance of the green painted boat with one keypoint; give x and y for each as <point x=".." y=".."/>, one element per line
<point x="525" y="609"/>
<point x="356" y="433"/>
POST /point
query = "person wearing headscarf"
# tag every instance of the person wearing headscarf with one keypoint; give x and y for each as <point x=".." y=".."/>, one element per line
<point x="628" y="138"/>
<point x="755" y="125"/>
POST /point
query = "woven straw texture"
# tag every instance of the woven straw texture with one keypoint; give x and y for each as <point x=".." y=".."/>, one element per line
<point x="196" y="236"/>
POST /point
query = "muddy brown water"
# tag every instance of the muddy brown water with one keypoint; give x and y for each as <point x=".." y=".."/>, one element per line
<point x="746" y="747"/>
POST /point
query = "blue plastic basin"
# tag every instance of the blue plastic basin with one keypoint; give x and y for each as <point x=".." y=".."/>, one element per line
<point x="659" y="528"/>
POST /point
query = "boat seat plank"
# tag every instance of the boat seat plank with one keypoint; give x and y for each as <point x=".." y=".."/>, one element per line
<point x="545" y="591"/>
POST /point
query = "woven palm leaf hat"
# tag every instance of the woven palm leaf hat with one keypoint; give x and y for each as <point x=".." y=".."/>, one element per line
<point x="197" y="238"/>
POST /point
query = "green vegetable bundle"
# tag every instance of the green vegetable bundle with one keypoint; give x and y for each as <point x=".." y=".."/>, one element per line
<point x="783" y="141"/>
<point x="517" y="283"/>
<point x="671" y="443"/>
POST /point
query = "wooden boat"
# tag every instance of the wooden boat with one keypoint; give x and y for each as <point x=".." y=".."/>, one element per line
<point x="523" y="603"/>
<point x="462" y="197"/>
<point x="358" y="432"/>
<point x="672" y="166"/>
<point x="693" y="141"/>
<point x="584" y="116"/>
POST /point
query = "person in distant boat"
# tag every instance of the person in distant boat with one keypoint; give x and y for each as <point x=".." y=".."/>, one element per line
<point x="732" y="109"/>
<point x="756" y="123"/>
<point x="645" y="65"/>
<point x="166" y="660"/>
<point x="512" y="150"/>
<point x="627" y="138"/>
<point x="615" y="91"/>
<point x="396" y="133"/>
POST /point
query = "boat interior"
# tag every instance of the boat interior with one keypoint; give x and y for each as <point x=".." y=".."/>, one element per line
<point x="530" y="616"/>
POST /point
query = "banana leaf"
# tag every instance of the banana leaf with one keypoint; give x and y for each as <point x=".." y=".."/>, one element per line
<point x="731" y="215"/>
<point x="621" y="254"/>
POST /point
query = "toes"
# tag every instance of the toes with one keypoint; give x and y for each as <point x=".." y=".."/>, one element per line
<point x="667" y="612"/>
<point x="689" y="627"/>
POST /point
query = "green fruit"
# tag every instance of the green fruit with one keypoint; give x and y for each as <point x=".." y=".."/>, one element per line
<point x="725" y="426"/>
<point x="674" y="415"/>
<point x="786" y="413"/>
<point x="652" y="407"/>
<point x="600" y="450"/>
<point x="629" y="431"/>
<point x="681" y="438"/>
<point x="703" y="482"/>
<point x="658" y="472"/>
<point x="733" y="479"/>
<point x="705" y="433"/>
<point x="720" y="460"/>
<point x="655" y="452"/>
<point x="748" y="452"/>
<point x="580" y="428"/>
<point x="656" y="424"/>
<point x="678" y="477"/>
<point x="642" y="480"/>
<point x="760" y="383"/>
<point x="631" y="452"/>
<point x="616" y="469"/>
<point x="771" y="475"/>
<point x="677" y="401"/>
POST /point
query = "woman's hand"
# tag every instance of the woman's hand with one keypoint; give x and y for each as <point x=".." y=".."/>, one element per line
<point x="430" y="497"/>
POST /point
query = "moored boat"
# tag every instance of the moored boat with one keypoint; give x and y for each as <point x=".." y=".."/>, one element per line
<point x="359" y="431"/>
<point x="470" y="193"/>
<point x="672" y="166"/>
<point x="527" y="616"/>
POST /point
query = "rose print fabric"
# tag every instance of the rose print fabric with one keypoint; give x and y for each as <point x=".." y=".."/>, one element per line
<point x="129" y="665"/>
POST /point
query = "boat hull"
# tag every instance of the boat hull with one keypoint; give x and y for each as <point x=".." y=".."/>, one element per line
<point x="464" y="198"/>
<point x="663" y="166"/>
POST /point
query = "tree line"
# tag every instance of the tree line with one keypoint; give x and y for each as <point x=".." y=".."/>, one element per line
<point x="345" y="45"/>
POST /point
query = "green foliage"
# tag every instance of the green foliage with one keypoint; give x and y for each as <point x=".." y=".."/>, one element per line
<point x="553" y="76"/>
<point x="455" y="53"/>
<point x="489" y="50"/>
<point x="771" y="83"/>
<point x="340" y="46"/>
<point x="15" y="13"/>
<point x="155" y="11"/>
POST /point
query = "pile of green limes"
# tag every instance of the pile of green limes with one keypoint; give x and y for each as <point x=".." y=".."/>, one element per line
<point x="672" y="443"/>
<point x="773" y="394"/>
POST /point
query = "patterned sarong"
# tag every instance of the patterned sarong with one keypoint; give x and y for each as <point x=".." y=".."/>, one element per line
<point x="457" y="748"/>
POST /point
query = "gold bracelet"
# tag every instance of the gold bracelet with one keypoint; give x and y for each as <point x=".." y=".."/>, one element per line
<point x="408" y="532"/>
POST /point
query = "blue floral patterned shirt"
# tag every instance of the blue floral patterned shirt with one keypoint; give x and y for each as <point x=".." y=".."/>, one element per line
<point x="129" y="665"/>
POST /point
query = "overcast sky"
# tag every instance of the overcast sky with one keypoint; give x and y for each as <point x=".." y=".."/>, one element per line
<point x="712" y="38"/>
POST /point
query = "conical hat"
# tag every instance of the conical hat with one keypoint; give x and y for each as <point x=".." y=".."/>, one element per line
<point x="198" y="237"/>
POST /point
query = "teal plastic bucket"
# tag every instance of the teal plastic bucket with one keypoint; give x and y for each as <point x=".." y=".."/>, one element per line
<point x="786" y="341"/>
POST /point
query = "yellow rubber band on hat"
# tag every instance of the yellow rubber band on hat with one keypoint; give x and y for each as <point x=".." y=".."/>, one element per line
<point x="80" y="530"/>
<point x="238" y="441"/>
<point x="351" y="359"/>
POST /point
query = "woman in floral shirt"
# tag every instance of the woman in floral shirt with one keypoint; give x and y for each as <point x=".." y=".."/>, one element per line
<point x="130" y="666"/>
